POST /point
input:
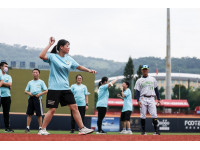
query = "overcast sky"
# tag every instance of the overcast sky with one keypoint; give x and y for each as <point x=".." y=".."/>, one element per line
<point x="107" y="33"/>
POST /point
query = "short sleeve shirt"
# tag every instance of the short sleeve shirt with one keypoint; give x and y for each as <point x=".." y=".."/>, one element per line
<point x="128" y="104"/>
<point x="146" y="86"/>
<point x="0" y="80"/>
<point x="103" y="95"/>
<point x="5" y="91"/>
<point x="80" y="91"/>
<point x="36" y="87"/>
<point x="59" y="71"/>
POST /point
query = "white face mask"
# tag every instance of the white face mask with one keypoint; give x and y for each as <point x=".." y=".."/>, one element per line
<point x="5" y="69"/>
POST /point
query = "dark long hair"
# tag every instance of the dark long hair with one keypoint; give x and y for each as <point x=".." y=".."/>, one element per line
<point x="103" y="80"/>
<point x="61" y="42"/>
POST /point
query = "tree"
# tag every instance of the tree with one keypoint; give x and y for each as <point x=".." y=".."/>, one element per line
<point x="129" y="70"/>
<point x="139" y="73"/>
<point x="129" y="74"/>
<point x="113" y="91"/>
<point x="194" y="98"/>
<point x="161" y="91"/>
<point x="184" y="93"/>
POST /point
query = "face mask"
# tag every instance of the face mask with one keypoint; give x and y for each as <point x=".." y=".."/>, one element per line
<point x="5" y="69"/>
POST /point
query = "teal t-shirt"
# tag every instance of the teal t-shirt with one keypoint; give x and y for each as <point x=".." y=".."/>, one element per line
<point x="103" y="95"/>
<point x="128" y="104"/>
<point x="36" y="87"/>
<point x="80" y="91"/>
<point x="5" y="91"/>
<point x="59" y="71"/>
<point x="0" y="80"/>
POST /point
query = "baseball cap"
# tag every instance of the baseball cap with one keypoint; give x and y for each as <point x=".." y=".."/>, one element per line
<point x="145" y="67"/>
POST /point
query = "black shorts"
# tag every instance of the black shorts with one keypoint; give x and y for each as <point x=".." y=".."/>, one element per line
<point x="34" y="105"/>
<point x="125" y="116"/>
<point x="64" y="97"/>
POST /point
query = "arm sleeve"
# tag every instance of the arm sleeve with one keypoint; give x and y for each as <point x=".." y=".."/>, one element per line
<point x="27" y="87"/>
<point x="105" y="87"/>
<point x="86" y="91"/>
<point x="10" y="79"/>
<point x="137" y="86"/>
<point x="74" y="64"/>
<point x="157" y="93"/>
<point x="49" y="55"/>
<point x="72" y="89"/>
<point x="155" y="83"/>
<point x="137" y="95"/>
<point x="44" y="87"/>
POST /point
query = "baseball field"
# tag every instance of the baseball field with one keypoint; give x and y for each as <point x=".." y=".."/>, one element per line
<point x="19" y="135"/>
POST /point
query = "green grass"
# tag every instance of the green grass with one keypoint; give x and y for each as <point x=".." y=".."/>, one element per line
<point x="110" y="133"/>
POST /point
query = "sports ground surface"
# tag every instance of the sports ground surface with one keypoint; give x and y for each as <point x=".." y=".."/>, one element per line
<point x="19" y="135"/>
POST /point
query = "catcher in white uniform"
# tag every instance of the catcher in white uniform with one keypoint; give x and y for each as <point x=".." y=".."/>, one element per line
<point x="146" y="89"/>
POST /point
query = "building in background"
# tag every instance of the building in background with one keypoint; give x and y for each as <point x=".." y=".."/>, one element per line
<point x="186" y="79"/>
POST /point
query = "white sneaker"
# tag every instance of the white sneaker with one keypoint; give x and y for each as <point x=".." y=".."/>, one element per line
<point x="123" y="132"/>
<point x="85" y="130"/>
<point x="129" y="132"/>
<point x="43" y="132"/>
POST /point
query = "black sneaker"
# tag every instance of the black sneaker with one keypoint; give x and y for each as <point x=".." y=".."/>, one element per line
<point x="72" y="131"/>
<point x="9" y="130"/>
<point x="27" y="130"/>
<point x="101" y="132"/>
<point x="156" y="133"/>
<point x="143" y="133"/>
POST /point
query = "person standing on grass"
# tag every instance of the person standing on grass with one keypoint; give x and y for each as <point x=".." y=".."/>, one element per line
<point x="5" y="96"/>
<point x="59" y="91"/>
<point x="35" y="89"/>
<point x="102" y="103"/>
<point x="127" y="109"/>
<point x="81" y="97"/>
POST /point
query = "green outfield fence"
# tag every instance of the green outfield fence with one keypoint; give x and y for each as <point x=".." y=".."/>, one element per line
<point x="21" y="77"/>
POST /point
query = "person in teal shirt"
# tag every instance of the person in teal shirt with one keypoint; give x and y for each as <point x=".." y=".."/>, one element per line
<point x="35" y="89"/>
<point x="102" y="103"/>
<point x="59" y="91"/>
<point x="81" y="97"/>
<point x="127" y="109"/>
<point x="5" y="95"/>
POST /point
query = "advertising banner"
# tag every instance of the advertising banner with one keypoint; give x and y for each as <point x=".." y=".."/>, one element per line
<point x="110" y="124"/>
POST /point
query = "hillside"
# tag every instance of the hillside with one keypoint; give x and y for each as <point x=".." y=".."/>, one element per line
<point x="104" y="67"/>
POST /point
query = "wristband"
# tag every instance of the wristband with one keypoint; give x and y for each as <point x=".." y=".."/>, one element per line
<point x="87" y="104"/>
<point x="111" y="83"/>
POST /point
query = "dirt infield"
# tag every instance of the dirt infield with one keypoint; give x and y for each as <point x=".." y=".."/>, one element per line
<point x="71" y="137"/>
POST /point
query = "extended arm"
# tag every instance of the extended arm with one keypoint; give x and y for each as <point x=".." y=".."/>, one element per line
<point x="112" y="82"/>
<point x="82" y="68"/>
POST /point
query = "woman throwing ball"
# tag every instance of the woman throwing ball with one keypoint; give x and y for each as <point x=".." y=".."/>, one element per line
<point x="59" y="91"/>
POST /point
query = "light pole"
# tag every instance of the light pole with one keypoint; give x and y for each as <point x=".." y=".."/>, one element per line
<point x="168" y="59"/>
<point x="179" y="89"/>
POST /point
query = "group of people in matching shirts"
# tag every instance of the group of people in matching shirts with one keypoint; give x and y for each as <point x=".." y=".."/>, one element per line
<point x="75" y="97"/>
